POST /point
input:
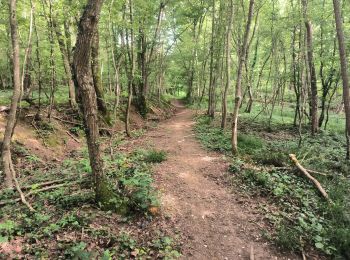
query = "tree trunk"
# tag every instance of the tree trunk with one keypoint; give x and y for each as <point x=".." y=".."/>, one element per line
<point x="344" y="71"/>
<point x="87" y="95"/>
<point x="312" y="71"/>
<point x="228" y="65"/>
<point x="11" y="121"/>
<point x="66" y="63"/>
<point x="131" y="73"/>
<point x="212" y="77"/>
<point x="95" y="68"/>
<point x="238" y="92"/>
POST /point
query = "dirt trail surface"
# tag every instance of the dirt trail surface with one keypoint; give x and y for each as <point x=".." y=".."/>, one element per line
<point x="213" y="221"/>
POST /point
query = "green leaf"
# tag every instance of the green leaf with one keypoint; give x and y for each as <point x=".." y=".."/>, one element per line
<point x="3" y="239"/>
<point x="319" y="245"/>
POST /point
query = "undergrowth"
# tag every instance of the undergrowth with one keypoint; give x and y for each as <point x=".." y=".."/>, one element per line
<point x="300" y="218"/>
<point x="67" y="222"/>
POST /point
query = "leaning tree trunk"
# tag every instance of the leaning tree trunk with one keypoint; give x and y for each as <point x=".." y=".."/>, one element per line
<point x="87" y="95"/>
<point x="238" y="98"/>
<point x="11" y="121"/>
<point x="344" y="71"/>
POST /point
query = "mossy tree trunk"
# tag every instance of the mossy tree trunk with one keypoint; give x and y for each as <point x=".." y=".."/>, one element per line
<point x="87" y="94"/>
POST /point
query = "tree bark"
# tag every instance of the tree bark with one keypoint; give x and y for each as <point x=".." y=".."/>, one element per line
<point x="312" y="71"/>
<point x="11" y="121"/>
<point x="131" y="73"/>
<point x="238" y="92"/>
<point x="86" y="92"/>
<point x="212" y="76"/>
<point x="228" y="65"/>
<point x="95" y="68"/>
<point x="344" y="71"/>
<point x="66" y="63"/>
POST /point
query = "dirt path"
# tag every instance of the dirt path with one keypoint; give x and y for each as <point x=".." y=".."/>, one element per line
<point x="214" y="223"/>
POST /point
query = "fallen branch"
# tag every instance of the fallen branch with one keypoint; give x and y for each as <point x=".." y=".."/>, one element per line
<point x="22" y="197"/>
<point x="47" y="183"/>
<point x="33" y="192"/>
<point x="294" y="159"/>
<point x="310" y="171"/>
<point x="67" y="121"/>
<point x="74" y="138"/>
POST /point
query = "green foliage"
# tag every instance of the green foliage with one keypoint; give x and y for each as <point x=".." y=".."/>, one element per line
<point x="134" y="180"/>
<point x="302" y="217"/>
<point x="7" y="229"/>
<point x="154" y="156"/>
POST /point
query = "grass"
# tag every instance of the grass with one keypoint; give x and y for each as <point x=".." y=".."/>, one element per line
<point x="300" y="218"/>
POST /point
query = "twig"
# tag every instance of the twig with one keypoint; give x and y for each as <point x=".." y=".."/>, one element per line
<point x="33" y="192"/>
<point x="74" y="138"/>
<point x="39" y="133"/>
<point x="22" y="197"/>
<point x="42" y="184"/>
<point x="67" y="121"/>
<point x="294" y="159"/>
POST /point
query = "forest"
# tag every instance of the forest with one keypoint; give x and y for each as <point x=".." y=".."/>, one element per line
<point x="174" y="129"/>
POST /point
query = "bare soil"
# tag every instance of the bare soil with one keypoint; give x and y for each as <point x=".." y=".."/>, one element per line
<point x="215" y="222"/>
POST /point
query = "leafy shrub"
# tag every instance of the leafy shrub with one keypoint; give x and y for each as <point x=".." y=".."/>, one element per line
<point x="249" y="144"/>
<point x="155" y="156"/>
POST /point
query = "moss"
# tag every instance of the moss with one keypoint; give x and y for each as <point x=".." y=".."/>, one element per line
<point x="142" y="106"/>
<point x="109" y="200"/>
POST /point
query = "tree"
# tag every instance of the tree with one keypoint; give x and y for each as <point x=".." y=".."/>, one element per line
<point x="228" y="64"/>
<point x="344" y="71"/>
<point x="238" y="91"/>
<point x="11" y="121"/>
<point x="312" y="71"/>
<point x="86" y="92"/>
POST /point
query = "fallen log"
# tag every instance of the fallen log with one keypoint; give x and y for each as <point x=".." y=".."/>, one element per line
<point x="294" y="159"/>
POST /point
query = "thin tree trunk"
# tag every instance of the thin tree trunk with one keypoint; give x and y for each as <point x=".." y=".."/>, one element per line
<point x="95" y="68"/>
<point x="238" y="92"/>
<point x="132" y="69"/>
<point x="11" y="120"/>
<point x="228" y="66"/>
<point x="212" y="81"/>
<point x="312" y="71"/>
<point x="344" y="71"/>
<point x="66" y="63"/>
